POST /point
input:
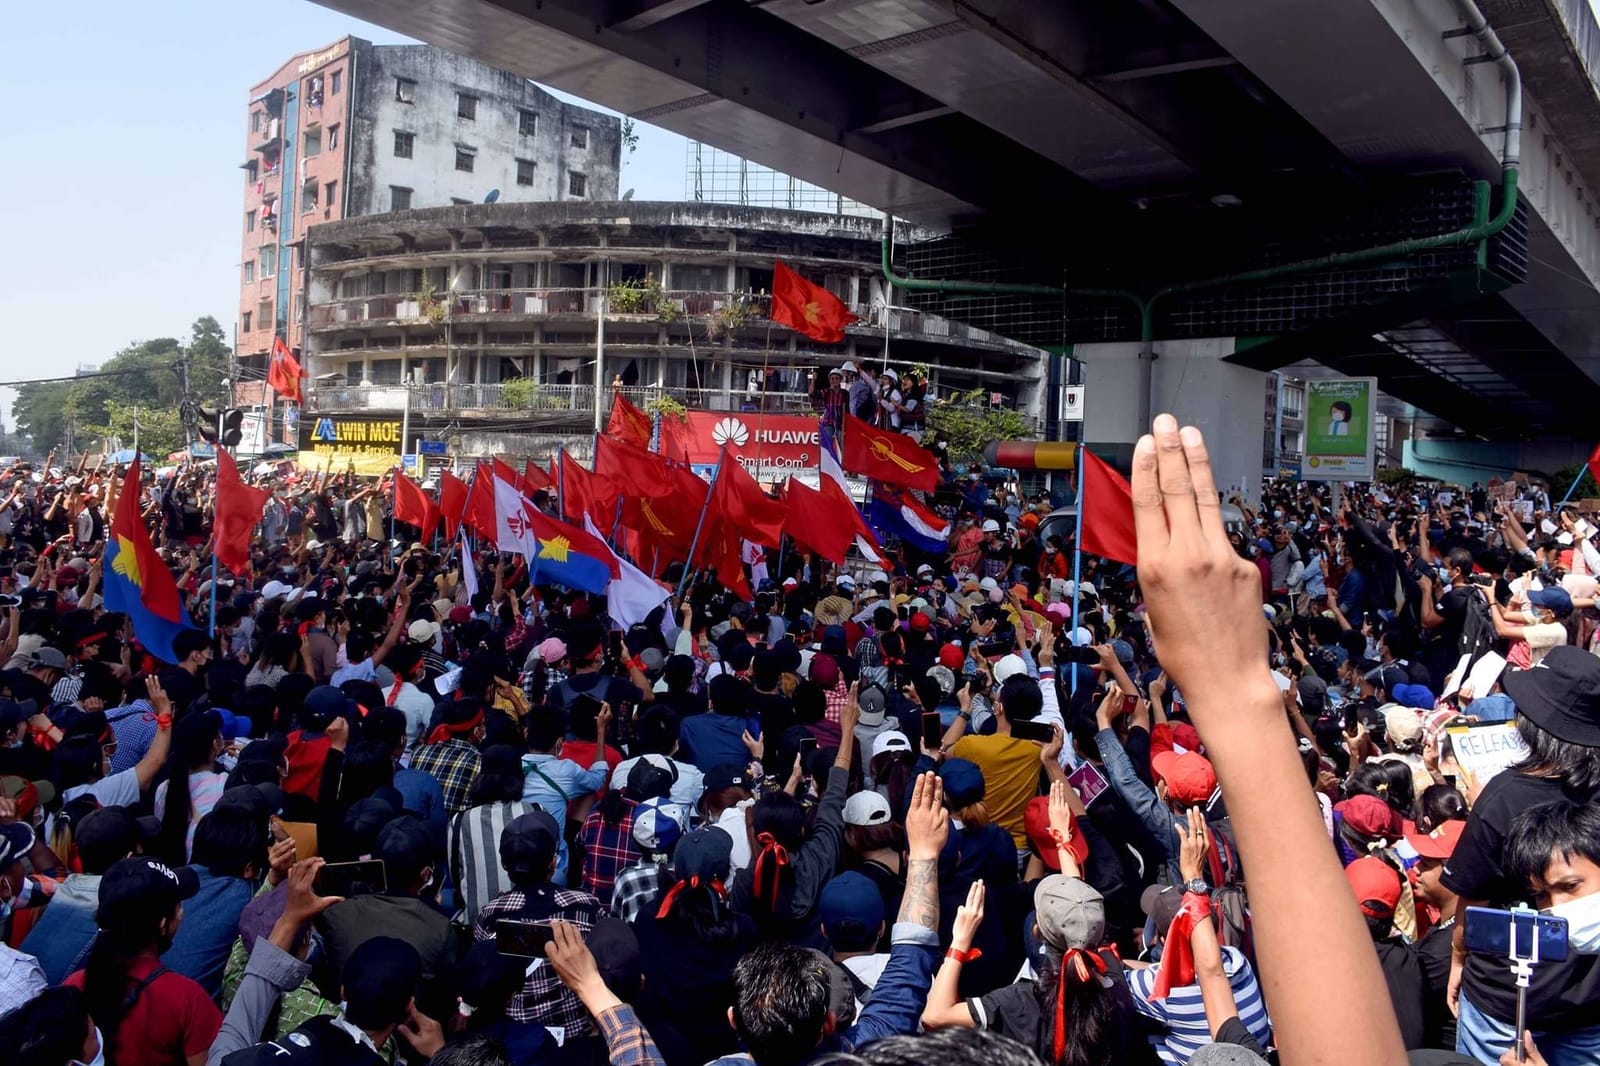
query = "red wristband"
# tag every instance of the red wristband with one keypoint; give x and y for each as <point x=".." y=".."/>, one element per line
<point x="964" y="957"/>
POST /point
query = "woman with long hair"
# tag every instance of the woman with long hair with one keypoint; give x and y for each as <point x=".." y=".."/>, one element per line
<point x="190" y="785"/>
<point x="495" y="800"/>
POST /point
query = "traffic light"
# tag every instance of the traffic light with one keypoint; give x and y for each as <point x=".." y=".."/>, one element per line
<point x="232" y="427"/>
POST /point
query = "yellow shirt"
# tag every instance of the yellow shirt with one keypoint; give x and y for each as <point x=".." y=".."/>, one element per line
<point x="1011" y="775"/>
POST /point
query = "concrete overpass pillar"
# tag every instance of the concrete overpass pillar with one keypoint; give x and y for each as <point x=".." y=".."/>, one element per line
<point x="1191" y="381"/>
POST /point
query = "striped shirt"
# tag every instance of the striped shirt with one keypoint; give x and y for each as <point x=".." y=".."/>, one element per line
<point x="1183" y="1013"/>
<point x="475" y="853"/>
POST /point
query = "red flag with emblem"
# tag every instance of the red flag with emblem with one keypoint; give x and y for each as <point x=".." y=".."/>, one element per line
<point x="823" y="523"/>
<point x="887" y="456"/>
<point x="807" y="308"/>
<point x="627" y="423"/>
<point x="736" y="498"/>
<point x="284" y="372"/>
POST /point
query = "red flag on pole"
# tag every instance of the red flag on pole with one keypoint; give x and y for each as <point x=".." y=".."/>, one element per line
<point x="1594" y="464"/>
<point x="633" y="470"/>
<point x="238" y="509"/>
<point x="284" y="373"/>
<point x="1107" y="504"/>
<point x="822" y="522"/>
<point x="887" y="456"/>
<point x="738" y="500"/>
<point x="535" y="478"/>
<point x="628" y="423"/>
<point x="666" y="522"/>
<point x="479" y="516"/>
<point x="452" y="501"/>
<point x="412" y="506"/>
<point x="807" y="308"/>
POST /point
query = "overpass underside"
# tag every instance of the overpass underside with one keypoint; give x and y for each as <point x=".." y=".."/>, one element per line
<point x="1136" y="144"/>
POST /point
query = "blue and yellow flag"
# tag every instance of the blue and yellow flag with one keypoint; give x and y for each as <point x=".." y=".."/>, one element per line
<point x="136" y="580"/>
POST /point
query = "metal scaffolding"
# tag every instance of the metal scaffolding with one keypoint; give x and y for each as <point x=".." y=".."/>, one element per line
<point x="717" y="177"/>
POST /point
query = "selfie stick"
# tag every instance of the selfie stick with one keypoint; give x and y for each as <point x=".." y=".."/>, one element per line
<point x="1522" y="969"/>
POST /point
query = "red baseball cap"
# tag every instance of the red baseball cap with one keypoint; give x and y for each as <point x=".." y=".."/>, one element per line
<point x="1036" y="823"/>
<point x="1376" y="885"/>
<point x="919" y="622"/>
<point x="1189" y="777"/>
<point x="952" y="656"/>
<point x="1439" y="844"/>
<point x="1371" y="817"/>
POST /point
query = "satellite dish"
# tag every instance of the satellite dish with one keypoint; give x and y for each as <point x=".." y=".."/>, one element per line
<point x="628" y="195"/>
<point x="492" y="196"/>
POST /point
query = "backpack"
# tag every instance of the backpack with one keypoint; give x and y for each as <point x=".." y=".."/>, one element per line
<point x="1477" y="629"/>
<point x="1228" y="901"/>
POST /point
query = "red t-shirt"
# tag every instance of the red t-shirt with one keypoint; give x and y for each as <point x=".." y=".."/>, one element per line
<point x="172" y="1019"/>
<point x="582" y="753"/>
<point x="306" y="761"/>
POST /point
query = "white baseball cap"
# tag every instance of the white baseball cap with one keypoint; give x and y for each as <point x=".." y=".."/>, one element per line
<point x="991" y="526"/>
<point x="989" y="584"/>
<point x="889" y="740"/>
<point x="1009" y="666"/>
<point x="866" y="808"/>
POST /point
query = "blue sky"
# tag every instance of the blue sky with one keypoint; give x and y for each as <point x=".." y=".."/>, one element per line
<point x="120" y="195"/>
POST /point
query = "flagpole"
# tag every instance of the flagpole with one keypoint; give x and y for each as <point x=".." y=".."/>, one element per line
<point x="561" y="482"/>
<point x="1077" y="563"/>
<point x="394" y="499"/>
<point x="694" y="544"/>
<point x="1573" y="488"/>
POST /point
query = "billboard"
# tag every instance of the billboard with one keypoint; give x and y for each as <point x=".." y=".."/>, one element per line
<point x="771" y="447"/>
<point x="372" y="444"/>
<point x="1341" y="417"/>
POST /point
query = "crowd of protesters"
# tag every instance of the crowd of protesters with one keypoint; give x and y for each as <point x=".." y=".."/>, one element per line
<point x="965" y="811"/>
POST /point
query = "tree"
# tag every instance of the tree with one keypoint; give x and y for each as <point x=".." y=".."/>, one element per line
<point x="968" y="423"/>
<point x="160" y="431"/>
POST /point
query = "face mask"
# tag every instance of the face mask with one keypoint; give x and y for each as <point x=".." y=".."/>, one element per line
<point x="1583" y="922"/>
<point x="100" y="1051"/>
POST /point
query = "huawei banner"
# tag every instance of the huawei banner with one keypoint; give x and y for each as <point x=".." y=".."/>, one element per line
<point x="771" y="447"/>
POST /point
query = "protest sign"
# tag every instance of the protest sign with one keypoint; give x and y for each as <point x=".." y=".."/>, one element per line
<point x="1486" y="749"/>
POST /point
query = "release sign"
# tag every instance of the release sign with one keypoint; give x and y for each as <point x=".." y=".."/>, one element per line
<point x="1341" y="424"/>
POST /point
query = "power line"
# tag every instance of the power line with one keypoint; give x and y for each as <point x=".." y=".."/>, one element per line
<point x="75" y="377"/>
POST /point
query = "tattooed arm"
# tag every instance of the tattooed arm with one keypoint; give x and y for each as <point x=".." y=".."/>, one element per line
<point x="899" y="996"/>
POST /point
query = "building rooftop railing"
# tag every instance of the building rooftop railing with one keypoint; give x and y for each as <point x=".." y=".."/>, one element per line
<point x="504" y="399"/>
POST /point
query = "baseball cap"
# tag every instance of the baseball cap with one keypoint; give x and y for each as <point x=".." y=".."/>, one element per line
<point x="111" y="833"/>
<point x="1190" y="778"/>
<point x="874" y="705"/>
<point x="990" y="526"/>
<point x="846" y="582"/>
<point x="422" y="631"/>
<point x="1376" y="885"/>
<point x="137" y="887"/>
<point x="1036" y="823"/>
<point x="16" y="840"/>
<point x="952" y="656"/>
<point x="1008" y="667"/>
<point x="866" y="808"/>
<point x="528" y="843"/>
<point x="1370" y="816"/>
<point x="552" y="650"/>
<point x="728" y="775"/>
<point x="1069" y="912"/>
<point x="989" y="584"/>
<point x="1439" y="844"/>
<point x="48" y="657"/>
<point x="1161" y="903"/>
<point x="658" y="823"/>
<point x="28" y="795"/>
<point x="380" y="979"/>
<point x="651" y="777"/>
<point x="441" y="608"/>
<point x="1554" y="599"/>
<point x="851" y="909"/>
<point x="324" y="703"/>
<point x="1401" y="725"/>
<point x="889" y="740"/>
<point x="706" y="853"/>
<point x="963" y="783"/>
<point x="260" y="799"/>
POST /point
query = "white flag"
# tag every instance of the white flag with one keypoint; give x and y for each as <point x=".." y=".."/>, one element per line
<point x="632" y="595"/>
<point x="511" y="530"/>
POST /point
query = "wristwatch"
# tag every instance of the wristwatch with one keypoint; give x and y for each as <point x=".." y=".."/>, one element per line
<point x="1197" y="886"/>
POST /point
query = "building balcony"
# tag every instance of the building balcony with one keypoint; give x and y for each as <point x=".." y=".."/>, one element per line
<point x="546" y="402"/>
<point x="268" y="137"/>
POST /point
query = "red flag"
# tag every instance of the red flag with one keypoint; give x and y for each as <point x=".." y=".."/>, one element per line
<point x="675" y="436"/>
<point x="412" y="506"/>
<point x="284" y="372"/>
<point x="807" y="308"/>
<point x="586" y="493"/>
<point x="534" y="478"/>
<point x="1107" y="503"/>
<point x="633" y="470"/>
<point x="666" y="522"/>
<point x="1594" y="464"/>
<point x="238" y="509"/>
<point x="722" y="549"/>
<point x="627" y="423"/>
<point x="452" y="501"/>
<point x="816" y="523"/>
<point x="740" y="503"/>
<point x="479" y="515"/>
<point x="886" y="456"/>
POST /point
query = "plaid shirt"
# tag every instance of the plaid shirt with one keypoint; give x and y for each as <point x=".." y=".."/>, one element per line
<point x="607" y="849"/>
<point x="869" y="658"/>
<point x="638" y="887"/>
<point x="627" y="1040"/>
<point x="455" y="764"/>
<point x="544" y="998"/>
<point x="834" y="700"/>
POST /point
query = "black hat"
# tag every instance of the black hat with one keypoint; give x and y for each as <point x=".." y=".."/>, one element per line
<point x="379" y="979"/>
<point x="16" y="840"/>
<point x="13" y="714"/>
<point x="365" y="820"/>
<point x="259" y="800"/>
<point x="528" y="843"/>
<point x="309" y="608"/>
<point x="730" y="775"/>
<point x="616" y="956"/>
<point x="108" y="834"/>
<point x="325" y="703"/>
<point x="706" y="853"/>
<point x="651" y="777"/>
<point x="404" y="844"/>
<point x="1561" y="695"/>
<point x="140" y="887"/>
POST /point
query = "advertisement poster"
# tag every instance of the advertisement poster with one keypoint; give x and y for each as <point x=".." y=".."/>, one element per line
<point x="1340" y="424"/>
<point x="770" y="446"/>
<point x="373" y="444"/>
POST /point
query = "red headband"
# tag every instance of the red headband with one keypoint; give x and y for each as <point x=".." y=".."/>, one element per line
<point x="446" y="731"/>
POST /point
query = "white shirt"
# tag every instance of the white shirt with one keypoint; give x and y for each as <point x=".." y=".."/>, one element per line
<point x="686" y="790"/>
<point x="732" y="823"/>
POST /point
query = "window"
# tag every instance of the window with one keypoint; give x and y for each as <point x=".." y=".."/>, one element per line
<point x="308" y="197"/>
<point x="580" y="137"/>
<point x="399" y="198"/>
<point x="465" y="157"/>
<point x="313" y="143"/>
<point x="385" y="372"/>
<point x="466" y="106"/>
<point x="249" y="221"/>
<point x="403" y="143"/>
<point x="577" y="185"/>
<point x="256" y="119"/>
<point x="252" y="172"/>
<point x="405" y="90"/>
<point x="330" y="196"/>
<point x="249" y="271"/>
<point x="527" y="123"/>
<point x="244" y="326"/>
<point x="269" y="260"/>
<point x="333" y="137"/>
<point x="524" y="172"/>
<point x="335" y="83"/>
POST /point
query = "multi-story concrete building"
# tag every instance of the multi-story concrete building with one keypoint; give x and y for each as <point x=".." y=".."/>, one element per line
<point x="359" y="129"/>
<point x="431" y="315"/>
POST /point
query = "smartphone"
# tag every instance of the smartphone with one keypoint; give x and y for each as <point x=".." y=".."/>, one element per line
<point x="363" y="878"/>
<point x="808" y="745"/>
<point x="932" y="730"/>
<point x="522" y="939"/>
<point x="1075" y="654"/>
<point x="1129" y="704"/>
<point x="586" y="706"/>
<point x="1088" y="782"/>
<point x="1040" y="731"/>
<point x="994" y="649"/>
<point x="1490" y="930"/>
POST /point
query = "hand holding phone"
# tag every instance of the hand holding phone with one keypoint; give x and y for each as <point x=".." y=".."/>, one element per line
<point x="522" y="939"/>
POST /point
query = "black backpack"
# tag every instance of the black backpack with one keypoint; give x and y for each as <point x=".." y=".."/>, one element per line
<point x="1228" y="901"/>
